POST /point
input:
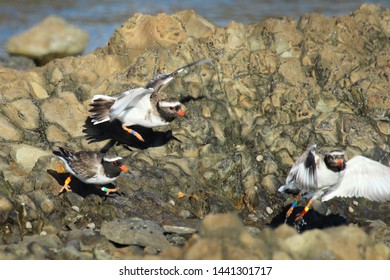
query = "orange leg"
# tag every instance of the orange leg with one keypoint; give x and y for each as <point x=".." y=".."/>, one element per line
<point x="293" y="205"/>
<point x="108" y="191"/>
<point x="66" y="186"/>
<point x="133" y="132"/>
<point x="303" y="213"/>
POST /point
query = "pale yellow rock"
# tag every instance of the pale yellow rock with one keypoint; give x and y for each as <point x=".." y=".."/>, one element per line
<point x="326" y="126"/>
<point x="27" y="156"/>
<point x="8" y="131"/>
<point x="38" y="91"/>
<point x="56" y="76"/>
<point x="51" y="36"/>
<point x="23" y="113"/>
<point x="269" y="182"/>
<point x="15" y="90"/>
<point x="384" y="127"/>
<point x="378" y="252"/>
<point x="236" y="35"/>
<point x="54" y="134"/>
<point x="65" y="111"/>
<point x="292" y="71"/>
<point x="195" y="25"/>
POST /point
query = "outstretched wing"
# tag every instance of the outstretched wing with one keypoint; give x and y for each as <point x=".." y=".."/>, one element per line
<point x="162" y="79"/>
<point x="128" y="100"/>
<point x="303" y="175"/>
<point x="363" y="177"/>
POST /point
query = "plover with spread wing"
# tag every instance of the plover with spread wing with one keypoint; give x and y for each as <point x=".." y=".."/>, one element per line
<point x="141" y="106"/>
<point x="330" y="176"/>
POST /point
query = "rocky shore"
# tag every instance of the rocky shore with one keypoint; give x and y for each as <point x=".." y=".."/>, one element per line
<point x="274" y="88"/>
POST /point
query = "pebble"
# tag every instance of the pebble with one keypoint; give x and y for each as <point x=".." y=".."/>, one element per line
<point x="76" y="208"/>
<point x="269" y="210"/>
<point x="253" y="217"/>
<point x="28" y="225"/>
<point x="179" y="230"/>
<point x="355" y="203"/>
<point x="177" y="240"/>
<point x="254" y="230"/>
<point x="91" y="226"/>
<point x="184" y="214"/>
<point x="259" y="158"/>
<point x="350" y="209"/>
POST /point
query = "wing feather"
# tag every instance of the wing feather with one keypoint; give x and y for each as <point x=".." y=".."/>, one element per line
<point x="363" y="177"/>
<point x="85" y="164"/>
<point x="128" y="100"/>
<point x="302" y="175"/>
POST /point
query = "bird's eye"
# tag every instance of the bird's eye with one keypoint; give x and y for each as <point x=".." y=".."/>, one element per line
<point x="114" y="163"/>
<point x="171" y="108"/>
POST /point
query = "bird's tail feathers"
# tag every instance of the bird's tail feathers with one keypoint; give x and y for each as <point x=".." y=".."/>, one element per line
<point x="63" y="153"/>
<point x="282" y="188"/>
<point x="100" y="110"/>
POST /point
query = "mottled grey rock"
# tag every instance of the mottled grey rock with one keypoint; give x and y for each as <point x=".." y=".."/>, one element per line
<point x="135" y="232"/>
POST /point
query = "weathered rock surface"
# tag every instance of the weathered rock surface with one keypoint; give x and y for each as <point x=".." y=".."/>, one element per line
<point x="275" y="87"/>
<point x="135" y="232"/>
<point x="52" y="38"/>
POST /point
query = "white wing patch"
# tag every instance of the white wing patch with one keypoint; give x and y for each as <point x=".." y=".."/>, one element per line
<point x="169" y="103"/>
<point x="300" y="177"/>
<point x="112" y="159"/>
<point x="363" y="177"/>
<point x="128" y="100"/>
<point x="103" y="97"/>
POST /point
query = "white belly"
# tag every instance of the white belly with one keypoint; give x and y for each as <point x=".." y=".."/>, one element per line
<point x="142" y="114"/>
<point x="327" y="178"/>
<point x="97" y="179"/>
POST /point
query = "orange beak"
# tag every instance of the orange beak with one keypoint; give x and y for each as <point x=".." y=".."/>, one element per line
<point x="340" y="162"/>
<point x="181" y="113"/>
<point x="124" y="168"/>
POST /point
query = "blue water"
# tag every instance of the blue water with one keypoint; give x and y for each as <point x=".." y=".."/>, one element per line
<point x="100" y="18"/>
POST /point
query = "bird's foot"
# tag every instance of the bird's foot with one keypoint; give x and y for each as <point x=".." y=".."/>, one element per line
<point x="305" y="210"/>
<point x="300" y="215"/>
<point x="66" y="186"/>
<point x="288" y="214"/>
<point x="108" y="191"/>
<point x="133" y="132"/>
